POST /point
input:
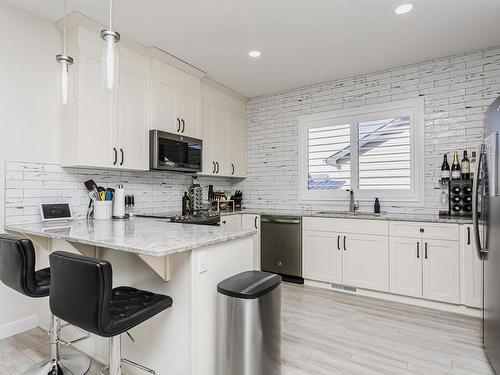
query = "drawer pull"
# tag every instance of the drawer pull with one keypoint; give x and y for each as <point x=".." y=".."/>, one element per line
<point x="421" y="230"/>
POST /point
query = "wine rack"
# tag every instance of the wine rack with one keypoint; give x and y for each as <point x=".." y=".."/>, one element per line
<point x="460" y="198"/>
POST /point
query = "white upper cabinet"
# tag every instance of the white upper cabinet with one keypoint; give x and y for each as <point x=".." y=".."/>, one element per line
<point x="175" y="100"/>
<point x="133" y="110"/>
<point x="224" y="134"/>
<point x="104" y="128"/>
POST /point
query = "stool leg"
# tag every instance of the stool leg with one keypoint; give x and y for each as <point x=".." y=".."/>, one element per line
<point x="115" y="356"/>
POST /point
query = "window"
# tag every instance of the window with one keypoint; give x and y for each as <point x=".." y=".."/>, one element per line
<point x="376" y="151"/>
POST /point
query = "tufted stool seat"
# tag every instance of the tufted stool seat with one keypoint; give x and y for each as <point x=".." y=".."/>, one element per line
<point x="82" y="295"/>
<point x="17" y="271"/>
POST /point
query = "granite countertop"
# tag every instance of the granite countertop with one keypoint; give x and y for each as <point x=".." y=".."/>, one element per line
<point x="154" y="237"/>
<point x="429" y="218"/>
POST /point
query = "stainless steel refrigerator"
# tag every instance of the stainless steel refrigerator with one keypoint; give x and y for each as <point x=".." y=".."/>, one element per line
<point x="486" y="216"/>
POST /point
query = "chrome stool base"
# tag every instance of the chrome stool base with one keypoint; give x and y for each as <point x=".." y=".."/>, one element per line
<point x="69" y="364"/>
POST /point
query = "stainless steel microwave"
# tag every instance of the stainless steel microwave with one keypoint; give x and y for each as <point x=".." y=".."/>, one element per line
<point x="174" y="152"/>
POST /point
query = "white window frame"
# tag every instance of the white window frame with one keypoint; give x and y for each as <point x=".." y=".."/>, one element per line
<point x="409" y="107"/>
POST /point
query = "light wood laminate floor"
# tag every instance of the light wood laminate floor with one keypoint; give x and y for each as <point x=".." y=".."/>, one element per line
<point x="327" y="333"/>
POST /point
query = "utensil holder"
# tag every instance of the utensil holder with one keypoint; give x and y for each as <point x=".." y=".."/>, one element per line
<point x="103" y="210"/>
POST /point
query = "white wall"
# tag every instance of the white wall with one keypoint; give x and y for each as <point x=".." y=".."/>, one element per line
<point x="29" y="112"/>
<point x="456" y="91"/>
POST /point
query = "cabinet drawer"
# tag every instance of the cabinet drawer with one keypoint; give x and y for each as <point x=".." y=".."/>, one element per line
<point x="231" y="221"/>
<point x="377" y="227"/>
<point x="424" y="230"/>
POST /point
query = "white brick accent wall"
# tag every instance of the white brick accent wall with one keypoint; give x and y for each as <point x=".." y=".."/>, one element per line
<point x="29" y="184"/>
<point x="456" y="90"/>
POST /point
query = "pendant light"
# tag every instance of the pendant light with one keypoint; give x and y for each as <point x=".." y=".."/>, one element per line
<point x="110" y="52"/>
<point x="65" y="61"/>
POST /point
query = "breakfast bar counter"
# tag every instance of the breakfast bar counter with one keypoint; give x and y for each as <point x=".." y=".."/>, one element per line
<point x="183" y="261"/>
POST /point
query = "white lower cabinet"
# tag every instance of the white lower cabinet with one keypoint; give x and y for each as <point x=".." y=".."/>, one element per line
<point x="250" y="221"/>
<point x="427" y="268"/>
<point x="322" y="257"/>
<point x="472" y="268"/>
<point x="405" y="266"/>
<point x="366" y="261"/>
<point x="347" y="257"/>
<point x="441" y="271"/>
<point x="231" y="221"/>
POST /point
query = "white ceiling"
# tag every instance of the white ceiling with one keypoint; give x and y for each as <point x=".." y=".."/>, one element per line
<point x="302" y="41"/>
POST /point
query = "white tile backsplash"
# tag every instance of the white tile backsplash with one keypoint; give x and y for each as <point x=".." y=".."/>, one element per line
<point x="28" y="184"/>
<point x="456" y="91"/>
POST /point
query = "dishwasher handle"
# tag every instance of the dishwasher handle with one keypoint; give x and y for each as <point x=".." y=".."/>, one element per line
<point x="279" y="221"/>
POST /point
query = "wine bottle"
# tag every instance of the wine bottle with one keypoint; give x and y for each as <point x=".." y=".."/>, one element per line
<point x="445" y="169"/>
<point x="473" y="165"/>
<point x="465" y="167"/>
<point x="456" y="173"/>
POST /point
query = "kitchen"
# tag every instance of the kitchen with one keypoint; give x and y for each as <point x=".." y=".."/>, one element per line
<point x="288" y="161"/>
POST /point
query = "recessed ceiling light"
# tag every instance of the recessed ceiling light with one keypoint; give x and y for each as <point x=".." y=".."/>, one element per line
<point x="403" y="9"/>
<point x="254" y="53"/>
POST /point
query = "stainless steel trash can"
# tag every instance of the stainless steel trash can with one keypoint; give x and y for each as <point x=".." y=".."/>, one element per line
<point x="249" y="324"/>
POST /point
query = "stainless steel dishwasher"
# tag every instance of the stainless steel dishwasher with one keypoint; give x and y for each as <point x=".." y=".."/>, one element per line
<point x="281" y="246"/>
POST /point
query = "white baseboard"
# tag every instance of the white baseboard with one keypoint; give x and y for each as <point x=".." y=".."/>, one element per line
<point x="22" y="325"/>
<point x="458" y="309"/>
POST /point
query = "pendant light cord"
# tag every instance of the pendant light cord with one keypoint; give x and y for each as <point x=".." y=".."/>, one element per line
<point x="111" y="15"/>
<point x="65" y="28"/>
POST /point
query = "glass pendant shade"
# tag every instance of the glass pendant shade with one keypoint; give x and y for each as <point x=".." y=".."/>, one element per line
<point x="64" y="64"/>
<point x="110" y="58"/>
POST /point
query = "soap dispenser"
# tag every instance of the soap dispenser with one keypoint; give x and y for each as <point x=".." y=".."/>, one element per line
<point x="376" y="206"/>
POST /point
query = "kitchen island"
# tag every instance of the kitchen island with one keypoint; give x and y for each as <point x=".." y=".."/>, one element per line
<point x="183" y="261"/>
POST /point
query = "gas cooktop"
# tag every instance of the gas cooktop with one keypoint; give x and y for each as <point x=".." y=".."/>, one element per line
<point x="201" y="218"/>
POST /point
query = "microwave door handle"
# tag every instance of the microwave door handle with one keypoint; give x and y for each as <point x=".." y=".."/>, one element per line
<point x="475" y="202"/>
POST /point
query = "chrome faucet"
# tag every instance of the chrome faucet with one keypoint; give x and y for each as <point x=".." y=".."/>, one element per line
<point x="352" y="206"/>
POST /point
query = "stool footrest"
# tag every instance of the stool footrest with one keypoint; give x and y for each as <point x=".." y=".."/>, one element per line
<point x="105" y="369"/>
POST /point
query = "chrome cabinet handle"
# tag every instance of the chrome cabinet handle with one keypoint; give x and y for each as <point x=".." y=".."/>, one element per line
<point x="178" y="125"/>
<point x="121" y="151"/>
<point x="183" y="126"/>
<point x="116" y="155"/>
<point x="418" y="250"/>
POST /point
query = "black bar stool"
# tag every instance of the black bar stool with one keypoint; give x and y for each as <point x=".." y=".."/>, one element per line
<point x="82" y="295"/>
<point x="17" y="271"/>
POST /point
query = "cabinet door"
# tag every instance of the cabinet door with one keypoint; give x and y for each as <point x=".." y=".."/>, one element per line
<point x="189" y="112"/>
<point x="405" y="255"/>
<point x="235" y="144"/>
<point x="441" y="270"/>
<point x="366" y="261"/>
<point x="97" y="125"/>
<point x="207" y="132"/>
<point x="132" y="111"/>
<point x="231" y="221"/>
<point x="322" y="256"/>
<point x="219" y="146"/>
<point x="473" y="269"/>
<point x="165" y="97"/>
<point x="253" y="222"/>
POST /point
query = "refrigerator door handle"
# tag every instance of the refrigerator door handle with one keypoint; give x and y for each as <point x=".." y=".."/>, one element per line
<point x="475" y="202"/>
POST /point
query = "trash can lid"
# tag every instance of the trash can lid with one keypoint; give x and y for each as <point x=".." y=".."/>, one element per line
<point x="249" y="284"/>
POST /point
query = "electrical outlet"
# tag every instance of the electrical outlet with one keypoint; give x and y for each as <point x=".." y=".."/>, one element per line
<point x="203" y="262"/>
